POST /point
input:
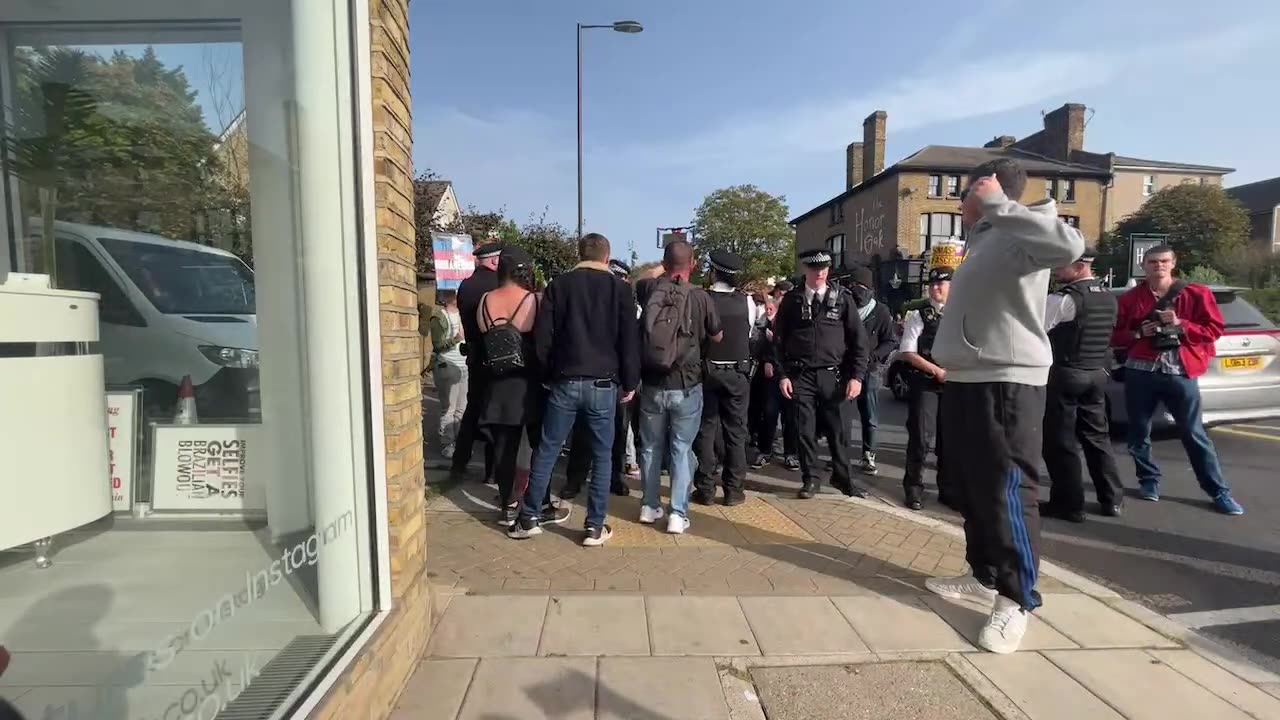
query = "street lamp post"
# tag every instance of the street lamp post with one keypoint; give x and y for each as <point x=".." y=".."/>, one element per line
<point x="622" y="26"/>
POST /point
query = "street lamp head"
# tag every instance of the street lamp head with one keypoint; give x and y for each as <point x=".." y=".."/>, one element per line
<point x="628" y="26"/>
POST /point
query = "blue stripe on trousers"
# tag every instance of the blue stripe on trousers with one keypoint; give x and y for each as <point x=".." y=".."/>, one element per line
<point x="1021" y="538"/>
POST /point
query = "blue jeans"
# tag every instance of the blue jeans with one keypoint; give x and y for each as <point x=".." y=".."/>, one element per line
<point x="669" y="421"/>
<point x="1142" y="392"/>
<point x="595" y="401"/>
<point x="869" y="411"/>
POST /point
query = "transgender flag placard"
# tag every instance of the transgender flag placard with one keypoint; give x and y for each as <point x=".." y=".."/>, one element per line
<point x="453" y="259"/>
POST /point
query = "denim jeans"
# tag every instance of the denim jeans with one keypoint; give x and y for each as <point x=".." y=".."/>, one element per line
<point x="1143" y="391"/>
<point x="869" y="411"/>
<point x="595" y="401"/>
<point x="669" y="421"/>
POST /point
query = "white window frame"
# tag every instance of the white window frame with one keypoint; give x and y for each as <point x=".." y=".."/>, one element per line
<point x="1148" y="185"/>
<point x="935" y="186"/>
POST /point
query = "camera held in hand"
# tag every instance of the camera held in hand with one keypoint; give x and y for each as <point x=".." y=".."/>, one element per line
<point x="1166" y="337"/>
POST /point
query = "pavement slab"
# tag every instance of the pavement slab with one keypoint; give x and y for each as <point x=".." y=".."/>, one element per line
<point x="899" y="624"/>
<point x="595" y="625"/>
<point x="968" y="618"/>
<point x="1040" y="689"/>
<point x="532" y="689"/>
<point x="659" y="689"/>
<point x="869" y="691"/>
<point x="1220" y="682"/>
<point x="1093" y="624"/>
<point x="699" y="625"/>
<point x="489" y="626"/>
<point x="435" y="691"/>
<point x="1141" y="687"/>
<point x="800" y="626"/>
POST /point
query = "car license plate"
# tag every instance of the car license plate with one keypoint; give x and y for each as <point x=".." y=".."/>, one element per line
<point x="1249" y="362"/>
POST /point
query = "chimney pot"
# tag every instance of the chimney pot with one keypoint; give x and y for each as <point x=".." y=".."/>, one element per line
<point x="853" y="159"/>
<point x="873" y="136"/>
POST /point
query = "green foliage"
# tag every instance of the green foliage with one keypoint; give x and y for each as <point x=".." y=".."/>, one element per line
<point x="553" y="247"/>
<point x="1203" y="222"/>
<point x="1204" y="275"/>
<point x="120" y="141"/>
<point x="1267" y="300"/>
<point x="750" y="222"/>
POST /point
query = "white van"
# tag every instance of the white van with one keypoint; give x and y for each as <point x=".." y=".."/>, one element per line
<point x="169" y="309"/>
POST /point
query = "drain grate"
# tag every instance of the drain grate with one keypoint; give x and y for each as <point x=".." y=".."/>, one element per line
<point x="279" y="678"/>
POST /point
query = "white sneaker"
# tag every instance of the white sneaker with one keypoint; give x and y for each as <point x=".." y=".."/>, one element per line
<point x="964" y="587"/>
<point x="677" y="524"/>
<point x="1005" y="628"/>
<point x="649" y="515"/>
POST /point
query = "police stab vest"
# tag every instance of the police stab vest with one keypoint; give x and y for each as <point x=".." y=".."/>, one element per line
<point x="932" y="318"/>
<point x="1084" y="342"/>
<point x="735" y="346"/>
<point x="814" y="331"/>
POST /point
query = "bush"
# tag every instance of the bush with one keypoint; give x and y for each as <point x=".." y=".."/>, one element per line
<point x="1267" y="300"/>
<point x="1204" y="275"/>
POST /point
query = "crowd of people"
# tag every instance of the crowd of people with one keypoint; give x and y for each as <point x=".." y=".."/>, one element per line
<point x="1002" y="373"/>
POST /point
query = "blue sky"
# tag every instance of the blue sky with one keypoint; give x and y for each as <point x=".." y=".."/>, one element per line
<point x="722" y="92"/>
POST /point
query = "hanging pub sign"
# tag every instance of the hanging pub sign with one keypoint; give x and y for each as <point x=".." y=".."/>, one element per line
<point x="207" y="467"/>
<point x="123" y="437"/>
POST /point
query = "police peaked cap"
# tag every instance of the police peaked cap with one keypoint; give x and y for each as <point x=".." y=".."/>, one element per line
<point x="816" y="257"/>
<point x="488" y="250"/>
<point x="726" y="262"/>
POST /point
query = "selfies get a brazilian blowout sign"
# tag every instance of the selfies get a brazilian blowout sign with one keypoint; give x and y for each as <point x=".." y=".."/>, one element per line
<point x="208" y="467"/>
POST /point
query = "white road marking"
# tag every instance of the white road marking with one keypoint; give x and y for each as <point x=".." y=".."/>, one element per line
<point x="1228" y="616"/>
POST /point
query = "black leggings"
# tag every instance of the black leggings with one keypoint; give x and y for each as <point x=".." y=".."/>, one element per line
<point x="506" y="440"/>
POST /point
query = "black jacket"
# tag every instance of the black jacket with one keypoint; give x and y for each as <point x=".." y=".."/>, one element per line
<point x="587" y="327"/>
<point x="470" y="291"/>
<point x="827" y="334"/>
<point x="882" y="334"/>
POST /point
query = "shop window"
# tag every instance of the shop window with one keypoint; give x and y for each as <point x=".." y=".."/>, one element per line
<point x="937" y="227"/>
<point x="199" y="451"/>
<point x="935" y="186"/>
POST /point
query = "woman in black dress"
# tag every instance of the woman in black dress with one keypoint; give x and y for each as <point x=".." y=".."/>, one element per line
<point x="511" y="412"/>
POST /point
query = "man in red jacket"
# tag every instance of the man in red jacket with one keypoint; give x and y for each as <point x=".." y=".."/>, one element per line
<point x="1169" y="327"/>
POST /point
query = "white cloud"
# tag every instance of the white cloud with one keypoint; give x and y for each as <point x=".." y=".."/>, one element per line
<point x="525" y="160"/>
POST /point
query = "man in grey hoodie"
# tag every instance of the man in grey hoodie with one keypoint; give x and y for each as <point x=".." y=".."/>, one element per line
<point x="993" y="344"/>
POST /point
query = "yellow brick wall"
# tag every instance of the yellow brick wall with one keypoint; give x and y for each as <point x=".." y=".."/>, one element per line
<point x="368" y="690"/>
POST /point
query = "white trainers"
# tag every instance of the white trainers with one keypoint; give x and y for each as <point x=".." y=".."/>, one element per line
<point x="1004" y="629"/>
<point x="649" y="515"/>
<point x="964" y="587"/>
<point x="677" y="524"/>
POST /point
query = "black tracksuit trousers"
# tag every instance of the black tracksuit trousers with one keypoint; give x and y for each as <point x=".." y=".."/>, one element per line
<point x="993" y="447"/>
<point x="1075" y="420"/>
<point x="723" y="433"/>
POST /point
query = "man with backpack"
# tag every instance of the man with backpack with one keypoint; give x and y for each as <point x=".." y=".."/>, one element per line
<point x="677" y="320"/>
<point x="586" y="339"/>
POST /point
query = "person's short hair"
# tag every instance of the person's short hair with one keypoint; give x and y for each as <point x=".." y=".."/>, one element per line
<point x="1010" y="173"/>
<point x="593" y="247"/>
<point x="1159" y="250"/>
<point x="730" y="279"/>
<point x="444" y="297"/>
<point x="678" y="255"/>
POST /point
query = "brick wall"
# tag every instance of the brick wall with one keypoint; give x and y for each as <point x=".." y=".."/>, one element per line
<point x="370" y="687"/>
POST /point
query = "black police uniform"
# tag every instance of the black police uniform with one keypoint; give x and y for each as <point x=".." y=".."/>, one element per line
<point x="1075" y="405"/>
<point x="726" y="386"/>
<point x="470" y="291"/>
<point x="924" y="402"/>
<point x="822" y="346"/>
<point x="578" y="468"/>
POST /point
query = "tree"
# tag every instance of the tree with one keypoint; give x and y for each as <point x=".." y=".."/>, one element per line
<point x="552" y="246"/>
<point x="1203" y="223"/>
<point x="751" y="223"/>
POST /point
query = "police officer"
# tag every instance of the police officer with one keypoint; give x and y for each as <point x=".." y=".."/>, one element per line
<point x="823" y="350"/>
<point x="925" y="379"/>
<point x="726" y="386"/>
<point x="1079" y="317"/>
<point x="470" y="291"/>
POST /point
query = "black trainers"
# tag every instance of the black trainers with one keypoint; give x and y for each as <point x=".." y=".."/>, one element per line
<point x="1112" y="509"/>
<point x="597" y="536"/>
<point x="523" y="529"/>
<point x="734" y="497"/>
<point x="508" y="515"/>
<point x="807" y="491"/>
<point x="914" y="500"/>
<point x="703" y="497"/>
<point x="555" y="514"/>
<point x="620" y="489"/>
<point x="791" y="462"/>
<point x="760" y="461"/>
<point x="1049" y="510"/>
